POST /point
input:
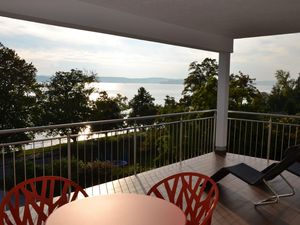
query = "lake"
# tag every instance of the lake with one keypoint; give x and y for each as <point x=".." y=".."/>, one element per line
<point x="158" y="91"/>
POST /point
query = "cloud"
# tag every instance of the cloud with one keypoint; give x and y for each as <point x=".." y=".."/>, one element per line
<point x="113" y="63"/>
<point x="53" y="48"/>
<point x="262" y="56"/>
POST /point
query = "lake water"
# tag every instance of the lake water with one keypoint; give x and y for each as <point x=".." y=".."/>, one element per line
<point x="158" y="91"/>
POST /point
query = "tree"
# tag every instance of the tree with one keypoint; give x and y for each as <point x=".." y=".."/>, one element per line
<point x="18" y="94"/>
<point x="170" y="106"/>
<point x="282" y="95"/>
<point x="142" y="104"/>
<point x="200" y="87"/>
<point x="108" y="108"/>
<point x="243" y="95"/>
<point x="67" y="99"/>
<point x="296" y="94"/>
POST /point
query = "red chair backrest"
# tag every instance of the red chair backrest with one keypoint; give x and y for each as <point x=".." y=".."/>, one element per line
<point x="32" y="201"/>
<point x="188" y="192"/>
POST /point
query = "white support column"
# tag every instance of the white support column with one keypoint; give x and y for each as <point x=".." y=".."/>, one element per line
<point x="222" y="102"/>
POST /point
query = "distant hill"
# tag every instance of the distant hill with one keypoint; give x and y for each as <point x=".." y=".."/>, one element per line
<point x="151" y="80"/>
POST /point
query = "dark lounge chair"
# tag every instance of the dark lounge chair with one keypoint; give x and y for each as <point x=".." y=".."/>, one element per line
<point x="254" y="177"/>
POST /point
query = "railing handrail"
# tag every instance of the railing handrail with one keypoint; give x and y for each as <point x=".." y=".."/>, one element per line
<point x="26" y="142"/>
<point x="81" y="124"/>
<point x="264" y="114"/>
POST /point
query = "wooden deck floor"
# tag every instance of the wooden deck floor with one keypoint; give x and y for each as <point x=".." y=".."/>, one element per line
<point x="236" y="197"/>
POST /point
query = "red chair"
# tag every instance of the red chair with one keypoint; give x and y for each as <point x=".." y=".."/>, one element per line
<point x="32" y="201"/>
<point x="196" y="194"/>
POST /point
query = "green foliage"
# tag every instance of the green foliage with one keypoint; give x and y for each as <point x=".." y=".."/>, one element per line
<point x="200" y="87"/>
<point x="67" y="99"/>
<point x="170" y="106"/>
<point x="284" y="97"/>
<point x="18" y="94"/>
<point x="142" y="104"/>
<point x="122" y="102"/>
<point x="243" y="95"/>
<point x="81" y="171"/>
<point x="199" y="75"/>
<point x="107" y="108"/>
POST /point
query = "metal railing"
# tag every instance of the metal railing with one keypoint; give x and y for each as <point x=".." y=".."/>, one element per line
<point x="134" y="145"/>
<point x="129" y="146"/>
<point x="262" y="135"/>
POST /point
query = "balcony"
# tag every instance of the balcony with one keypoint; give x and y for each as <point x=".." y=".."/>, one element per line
<point x="134" y="156"/>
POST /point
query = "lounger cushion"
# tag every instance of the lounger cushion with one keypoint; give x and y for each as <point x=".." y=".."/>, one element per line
<point x="295" y="168"/>
<point x="246" y="173"/>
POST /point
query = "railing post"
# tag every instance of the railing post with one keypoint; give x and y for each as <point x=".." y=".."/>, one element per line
<point x="214" y="132"/>
<point x="3" y="170"/>
<point x="180" y="141"/>
<point x="269" y="140"/>
<point x="134" y="148"/>
<point x="69" y="155"/>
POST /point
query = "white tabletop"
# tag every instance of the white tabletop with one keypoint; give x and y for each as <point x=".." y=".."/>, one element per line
<point x="118" y="209"/>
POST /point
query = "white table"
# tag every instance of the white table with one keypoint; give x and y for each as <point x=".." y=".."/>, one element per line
<point x="118" y="209"/>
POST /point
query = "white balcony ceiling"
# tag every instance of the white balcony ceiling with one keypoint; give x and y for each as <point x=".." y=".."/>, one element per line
<point x="202" y="24"/>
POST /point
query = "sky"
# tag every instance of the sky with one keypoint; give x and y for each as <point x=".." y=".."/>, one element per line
<point x="52" y="48"/>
